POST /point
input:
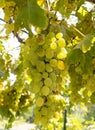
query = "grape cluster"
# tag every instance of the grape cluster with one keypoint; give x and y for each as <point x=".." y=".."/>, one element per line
<point x="44" y="57"/>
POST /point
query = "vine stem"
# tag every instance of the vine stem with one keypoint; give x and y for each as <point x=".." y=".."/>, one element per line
<point x="74" y="28"/>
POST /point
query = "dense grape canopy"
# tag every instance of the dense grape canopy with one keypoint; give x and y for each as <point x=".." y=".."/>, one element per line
<point x="56" y="65"/>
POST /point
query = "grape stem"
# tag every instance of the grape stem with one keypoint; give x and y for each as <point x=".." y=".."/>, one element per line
<point x="65" y="119"/>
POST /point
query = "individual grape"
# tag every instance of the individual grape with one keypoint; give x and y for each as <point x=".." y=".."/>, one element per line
<point x="44" y="121"/>
<point x="53" y="76"/>
<point x="62" y="54"/>
<point x="40" y="66"/>
<point x="45" y="90"/>
<point x="36" y="87"/>
<point x="39" y="102"/>
<point x="53" y="62"/>
<point x="36" y="76"/>
<point x="44" y="75"/>
<point x="44" y="111"/>
<point x="49" y="53"/>
<point x="48" y="82"/>
<point x="49" y="68"/>
<point x="53" y="39"/>
<point x="38" y="116"/>
<point x="53" y="45"/>
<point x="60" y="65"/>
<point x="40" y="52"/>
<point x="34" y="58"/>
<point x="59" y="35"/>
<point x="61" y="43"/>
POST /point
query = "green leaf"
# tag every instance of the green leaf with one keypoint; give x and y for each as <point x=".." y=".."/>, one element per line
<point x="75" y="56"/>
<point x="31" y="14"/>
<point x="86" y="43"/>
<point x="87" y="64"/>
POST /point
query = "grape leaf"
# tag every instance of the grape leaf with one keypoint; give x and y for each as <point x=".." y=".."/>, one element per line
<point x="31" y="14"/>
<point x="75" y="56"/>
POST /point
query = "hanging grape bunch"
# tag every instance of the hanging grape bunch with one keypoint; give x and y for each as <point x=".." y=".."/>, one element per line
<point x="48" y="73"/>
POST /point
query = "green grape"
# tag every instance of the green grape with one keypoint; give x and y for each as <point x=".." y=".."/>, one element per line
<point x="39" y="102"/>
<point x="37" y="114"/>
<point x="61" y="43"/>
<point x="34" y="58"/>
<point x="36" y="88"/>
<point x="53" y="62"/>
<point x="59" y="35"/>
<point x="60" y="65"/>
<point x="53" y="86"/>
<point x="48" y="82"/>
<point x="36" y="76"/>
<point x="44" y="121"/>
<point x="44" y="75"/>
<point x="45" y="90"/>
<point x="49" y="53"/>
<point x="53" y="39"/>
<point x="53" y="76"/>
<point x="53" y="45"/>
<point x="40" y="66"/>
<point x="49" y="68"/>
<point x="44" y="111"/>
<point x="40" y="52"/>
<point x="62" y="54"/>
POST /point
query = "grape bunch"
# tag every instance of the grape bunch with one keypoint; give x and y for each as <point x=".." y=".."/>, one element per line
<point x="44" y="60"/>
